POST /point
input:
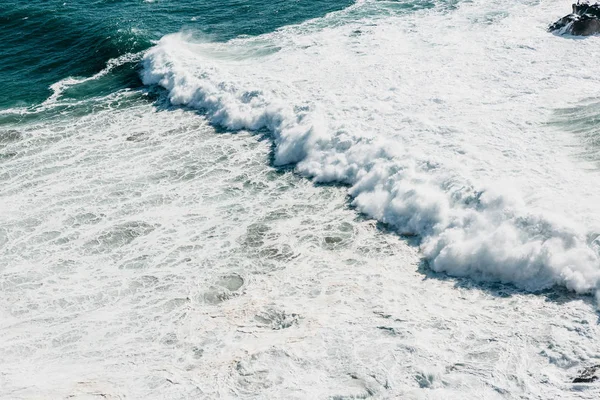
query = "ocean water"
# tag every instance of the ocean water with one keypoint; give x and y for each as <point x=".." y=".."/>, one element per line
<point x="300" y="199"/>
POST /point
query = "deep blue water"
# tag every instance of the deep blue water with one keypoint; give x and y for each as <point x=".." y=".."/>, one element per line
<point x="45" y="41"/>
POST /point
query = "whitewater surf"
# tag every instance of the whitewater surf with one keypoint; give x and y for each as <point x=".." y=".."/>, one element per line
<point x="375" y="199"/>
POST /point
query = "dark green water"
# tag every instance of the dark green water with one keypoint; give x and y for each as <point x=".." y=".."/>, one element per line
<point x="45" y="41"/>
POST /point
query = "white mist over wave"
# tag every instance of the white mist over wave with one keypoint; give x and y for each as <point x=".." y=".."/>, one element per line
<point x="438" y="131"/>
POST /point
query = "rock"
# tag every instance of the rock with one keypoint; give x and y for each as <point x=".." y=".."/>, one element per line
<point x="588" y="375"/>
<point x="584" y="21"/>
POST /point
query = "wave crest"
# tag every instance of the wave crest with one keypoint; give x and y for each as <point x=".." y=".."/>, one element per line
<point x="466" y="231"/>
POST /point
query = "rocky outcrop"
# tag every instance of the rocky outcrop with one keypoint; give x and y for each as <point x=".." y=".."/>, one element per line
<point x="584" y="21"/>
<point x="589" y="374"/>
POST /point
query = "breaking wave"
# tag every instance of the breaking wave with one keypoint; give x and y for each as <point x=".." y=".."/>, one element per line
<point x="467" y="228"/>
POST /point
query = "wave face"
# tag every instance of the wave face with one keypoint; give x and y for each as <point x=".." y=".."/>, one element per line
<point x="44" y="42"/>
<point x="438" y="132"/>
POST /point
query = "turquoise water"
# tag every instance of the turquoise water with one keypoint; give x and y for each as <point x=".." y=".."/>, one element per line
<point x="46" y="41"/>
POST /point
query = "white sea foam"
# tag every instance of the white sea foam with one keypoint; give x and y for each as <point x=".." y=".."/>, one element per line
<point x="144" y="255"/>
<point x="438" y="132"/>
